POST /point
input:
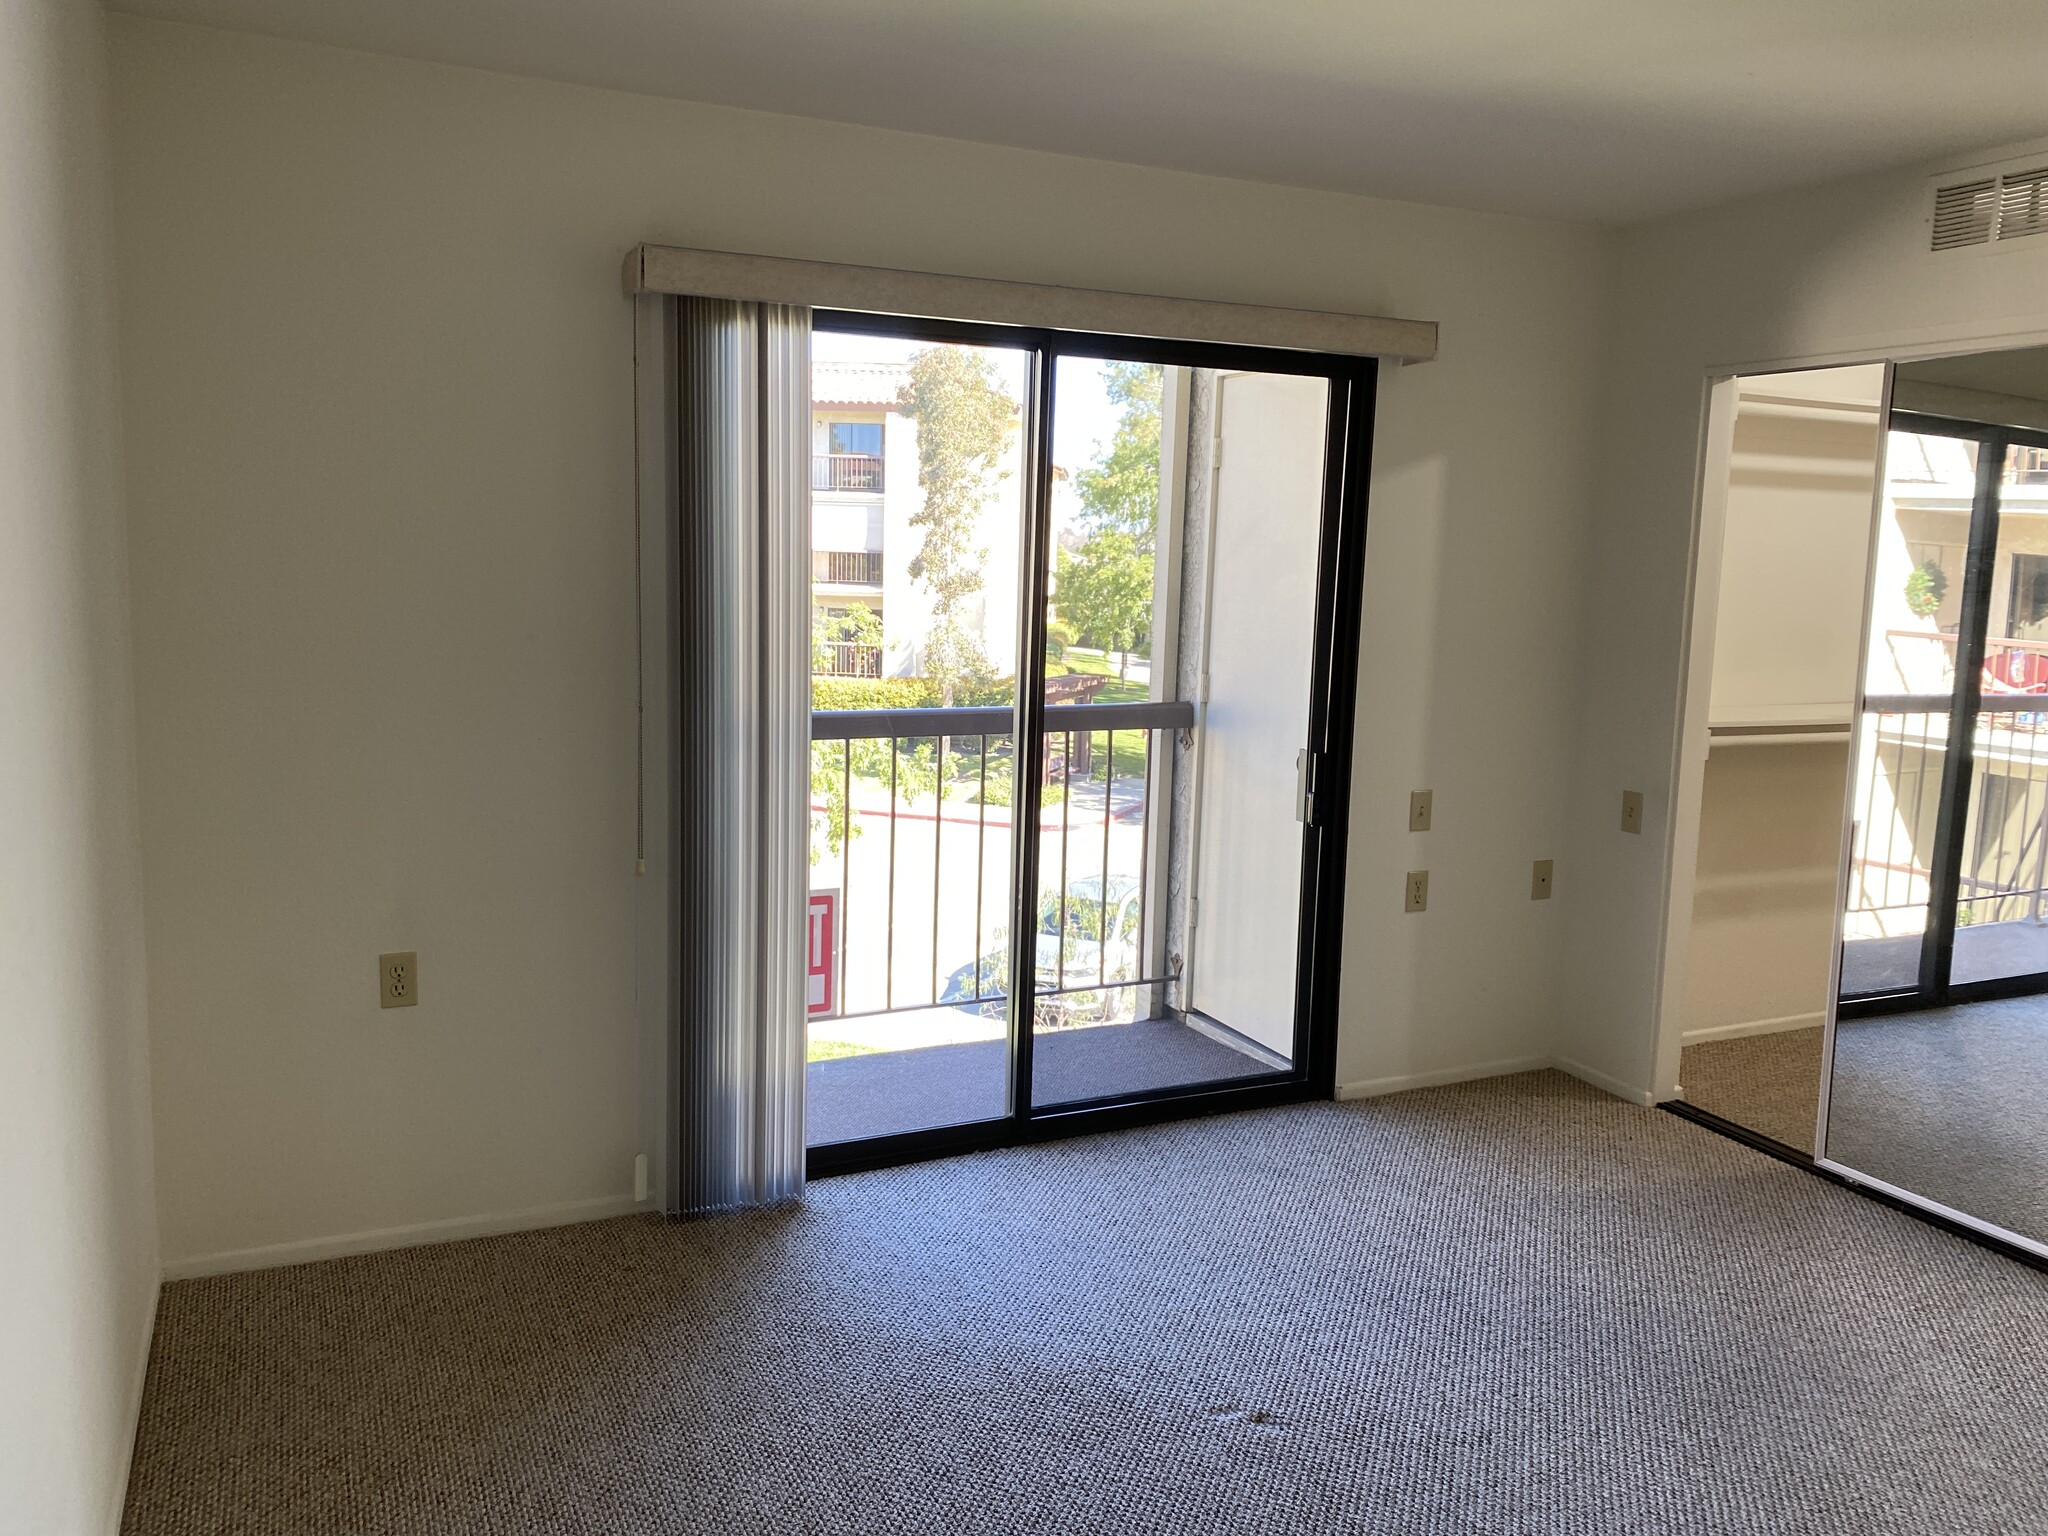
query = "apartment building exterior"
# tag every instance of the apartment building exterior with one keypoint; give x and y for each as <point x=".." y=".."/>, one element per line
<point x="864" y="494"/>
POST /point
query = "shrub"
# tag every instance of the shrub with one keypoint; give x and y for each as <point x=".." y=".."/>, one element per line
<point x="874" y="693"/>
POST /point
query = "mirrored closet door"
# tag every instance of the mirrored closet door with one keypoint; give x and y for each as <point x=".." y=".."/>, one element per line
<point x="1937" y="1062"/>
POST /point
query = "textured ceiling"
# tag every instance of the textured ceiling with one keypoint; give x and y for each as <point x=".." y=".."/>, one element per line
<point x="1610" y="110"/>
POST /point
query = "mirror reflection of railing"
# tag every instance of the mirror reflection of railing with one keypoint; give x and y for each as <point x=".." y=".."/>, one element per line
<point x="1897" y="793"/>
<point x="846" y="472"/>
<point x="937" y="935"/>
<point x="2004" y="873"/>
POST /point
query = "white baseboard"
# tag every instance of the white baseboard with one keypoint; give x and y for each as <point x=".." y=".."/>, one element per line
<point x="136" y="1382"/>
<point x="1603" y="1082"/>
<point x="1373" y="1087"/>
<point x="1754" y="1027"/>
<point x="452" y="1230"/>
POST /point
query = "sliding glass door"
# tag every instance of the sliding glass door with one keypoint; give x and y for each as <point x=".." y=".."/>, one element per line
<point x="1084" y="619"/>
<point x="1948" y="889"/>
<point x="919" y="514"/>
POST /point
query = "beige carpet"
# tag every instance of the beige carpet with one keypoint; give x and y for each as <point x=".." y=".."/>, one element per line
<point x="1507" y="1307"/>
<point x="1765" y="1083"/>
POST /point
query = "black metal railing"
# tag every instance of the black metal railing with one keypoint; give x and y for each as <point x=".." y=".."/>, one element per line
<point x="930" y="928"/>
<point x="846" y="472"/>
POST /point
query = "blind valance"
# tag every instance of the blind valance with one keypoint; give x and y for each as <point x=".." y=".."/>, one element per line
<point x="670" y="269"/>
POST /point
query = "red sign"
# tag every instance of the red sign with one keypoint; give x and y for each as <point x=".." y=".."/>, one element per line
<point x="822" y="995"/>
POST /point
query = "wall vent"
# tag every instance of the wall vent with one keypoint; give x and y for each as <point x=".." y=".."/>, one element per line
<point x="1990" y="208"/>
<point x="1964" y="214"/>
<point x="2023" y="204"/>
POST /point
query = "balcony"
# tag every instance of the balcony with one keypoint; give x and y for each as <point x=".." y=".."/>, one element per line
<point x="2002" y="884"/>
<point x="846" y="472"/>
<point x="913" y="832"/>
<point x="846" y="659"/>
<point x="846" y="567"/>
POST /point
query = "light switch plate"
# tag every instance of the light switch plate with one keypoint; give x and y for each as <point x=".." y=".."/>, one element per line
<point x="1539" y="883"/>
<point x="1631" y="810"/>
<point x="398" y="980"/>
<point x="1418" y="890"/>
<point x="1419" y="804"/>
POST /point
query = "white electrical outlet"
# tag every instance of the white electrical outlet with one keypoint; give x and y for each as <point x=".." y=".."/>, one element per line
<point x="398" y="980"/>
<point x="1418" y="890"/>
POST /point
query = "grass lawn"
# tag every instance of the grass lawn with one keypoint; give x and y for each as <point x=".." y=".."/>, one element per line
<point x="1131" y="748"/>
<point x="833" y="1050"/>
<point x="1118" y="691"/>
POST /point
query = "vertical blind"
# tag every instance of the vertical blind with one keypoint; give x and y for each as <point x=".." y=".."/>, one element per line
<point x="743" y="751"/>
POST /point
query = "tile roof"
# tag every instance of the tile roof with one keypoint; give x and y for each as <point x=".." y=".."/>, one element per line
<point x="868" y="384"/>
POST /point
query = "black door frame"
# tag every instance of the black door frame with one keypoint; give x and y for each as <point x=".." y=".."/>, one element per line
<point x="1340" y="581"/>
<point x="1933" y="987"/>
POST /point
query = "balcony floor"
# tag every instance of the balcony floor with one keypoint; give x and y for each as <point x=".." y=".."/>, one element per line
<point x="886" y="1092"/>
<point x="1983" y="951"/>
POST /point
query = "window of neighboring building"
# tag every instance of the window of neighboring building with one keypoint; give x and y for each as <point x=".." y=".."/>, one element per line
<point x="862" y="437"/>
<point x="2028" y="606"/>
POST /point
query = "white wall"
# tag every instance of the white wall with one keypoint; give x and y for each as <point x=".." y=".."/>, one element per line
<point x="379" y="393"/>
<point x="78" y="1262"/>
<point x="1821" y="275"/>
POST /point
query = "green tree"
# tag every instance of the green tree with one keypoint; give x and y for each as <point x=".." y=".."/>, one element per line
<point x="1121" y="490"/>
<point x="839" y="767"/>
<point x="964" y="424"/>
<point x="1105" y="590"/>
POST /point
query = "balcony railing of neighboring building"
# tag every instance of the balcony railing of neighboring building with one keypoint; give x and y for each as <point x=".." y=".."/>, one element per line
<point x="847" y="659"/>
<point x="946" y="776"/>
<point x="2011" y="666"/>
<point x="846" y="472"/>
<point x="847" y="567"/>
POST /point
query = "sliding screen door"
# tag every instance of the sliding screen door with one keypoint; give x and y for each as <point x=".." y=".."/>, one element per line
<point x="1230" y="567"/>
<point x="1259" y="649"/>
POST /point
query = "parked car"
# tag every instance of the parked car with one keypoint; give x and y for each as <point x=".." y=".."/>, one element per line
<point x="1088" y="960"/>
